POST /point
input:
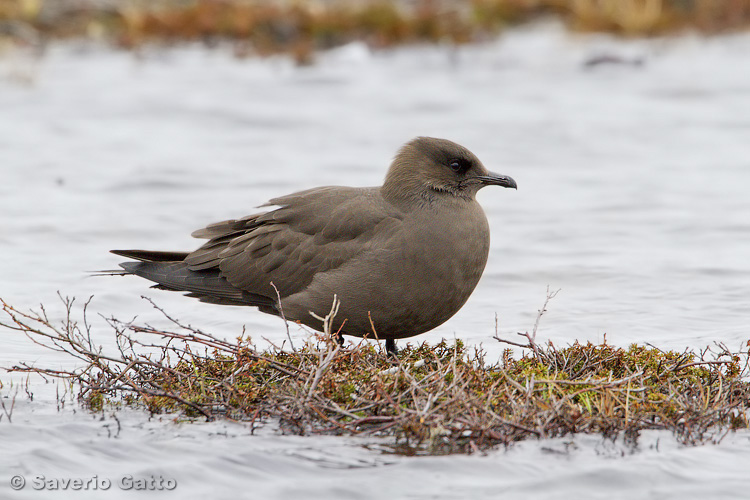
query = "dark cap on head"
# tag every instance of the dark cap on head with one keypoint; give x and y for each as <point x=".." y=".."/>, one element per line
<point x="427" y="166"/>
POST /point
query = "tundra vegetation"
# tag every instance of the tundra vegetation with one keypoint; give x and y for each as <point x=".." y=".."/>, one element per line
<point x="431" y="399"/>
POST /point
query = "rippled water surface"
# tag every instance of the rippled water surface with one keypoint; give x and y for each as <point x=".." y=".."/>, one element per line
<point x="633" y="200"/>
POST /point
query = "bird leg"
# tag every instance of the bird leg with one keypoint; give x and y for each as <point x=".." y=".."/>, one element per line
<point x="390" y="347"/>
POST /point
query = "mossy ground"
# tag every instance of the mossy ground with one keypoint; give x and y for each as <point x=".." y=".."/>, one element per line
<point x="439" y="398"/>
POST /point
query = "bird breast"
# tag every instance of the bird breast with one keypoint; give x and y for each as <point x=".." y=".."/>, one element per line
<point x="415" y="280"/>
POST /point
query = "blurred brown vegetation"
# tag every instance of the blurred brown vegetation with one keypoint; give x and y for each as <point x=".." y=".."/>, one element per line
<point x="261" y="27"/>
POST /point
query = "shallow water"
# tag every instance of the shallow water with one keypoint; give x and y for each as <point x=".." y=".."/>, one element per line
<point x="632" y="200"/>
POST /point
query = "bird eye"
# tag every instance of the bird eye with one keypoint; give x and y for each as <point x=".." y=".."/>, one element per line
<point x="455" y="165"/>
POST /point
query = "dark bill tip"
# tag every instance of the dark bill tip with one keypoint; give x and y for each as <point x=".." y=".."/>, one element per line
<point x="493" y="179"/>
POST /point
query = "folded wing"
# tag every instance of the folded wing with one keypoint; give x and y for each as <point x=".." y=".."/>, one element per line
<point x="256" y="259"/>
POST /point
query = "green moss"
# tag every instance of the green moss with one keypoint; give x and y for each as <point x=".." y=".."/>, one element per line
<point x="442" y="399"/>
<point x="95" y="401"/>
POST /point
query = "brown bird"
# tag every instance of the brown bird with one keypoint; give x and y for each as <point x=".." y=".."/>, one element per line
<point x="401" y="258"/>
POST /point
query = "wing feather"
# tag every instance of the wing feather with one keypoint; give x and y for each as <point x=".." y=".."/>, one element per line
<point x="312" y="231"/>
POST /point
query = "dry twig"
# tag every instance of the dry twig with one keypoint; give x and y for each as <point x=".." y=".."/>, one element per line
<point x="437" y="399"/>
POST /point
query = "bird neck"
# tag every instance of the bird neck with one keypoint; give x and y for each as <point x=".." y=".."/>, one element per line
<point x="422" y="198"/>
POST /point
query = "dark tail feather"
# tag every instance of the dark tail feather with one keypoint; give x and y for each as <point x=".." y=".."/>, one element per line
<point x="151" y="255"/>
<point x="109" y="272"/>
<point x="207" y="285"/>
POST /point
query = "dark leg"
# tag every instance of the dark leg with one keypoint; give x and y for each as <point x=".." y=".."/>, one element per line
<point x="390" y="347"/>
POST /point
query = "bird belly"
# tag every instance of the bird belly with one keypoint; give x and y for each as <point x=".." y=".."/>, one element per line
<point x="396" y="292"/>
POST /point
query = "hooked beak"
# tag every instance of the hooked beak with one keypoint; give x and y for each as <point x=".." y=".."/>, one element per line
<point x="493" y="179"/>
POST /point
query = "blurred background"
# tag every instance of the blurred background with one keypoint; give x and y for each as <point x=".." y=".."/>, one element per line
<point x="133" y="123"/>
<point x="130" y="124"/>
<point x="298" y="27"/>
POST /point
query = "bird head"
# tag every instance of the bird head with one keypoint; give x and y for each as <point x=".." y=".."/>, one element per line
<point x="427" y="167"/>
